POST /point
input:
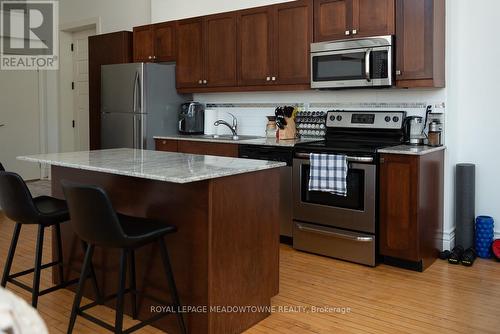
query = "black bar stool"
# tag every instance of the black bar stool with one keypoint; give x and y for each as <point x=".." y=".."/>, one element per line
<point x="96" y="222"/>
<point x="19" y="206"/>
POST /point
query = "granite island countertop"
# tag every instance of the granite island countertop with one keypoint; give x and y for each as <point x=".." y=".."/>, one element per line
<point x="411" y="149"/>
<point x="244" y="140"/>
<point x="154" y="165"/>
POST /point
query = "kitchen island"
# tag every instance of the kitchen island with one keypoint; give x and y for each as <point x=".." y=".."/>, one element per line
<point x="226" y="251"/>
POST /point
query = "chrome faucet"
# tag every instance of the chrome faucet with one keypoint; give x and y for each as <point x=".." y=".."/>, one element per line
<point x="233" y="128"/>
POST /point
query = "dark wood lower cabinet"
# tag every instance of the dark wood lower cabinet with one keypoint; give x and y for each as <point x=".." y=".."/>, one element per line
<point x="197" y="147"/>
<point x="411" y="209"/>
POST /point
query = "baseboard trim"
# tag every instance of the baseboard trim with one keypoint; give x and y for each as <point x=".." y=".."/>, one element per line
<point x="449" y="239"/>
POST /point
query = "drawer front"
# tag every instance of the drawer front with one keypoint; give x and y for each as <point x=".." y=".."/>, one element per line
<point x="332" y="242"/>
<point x="205" y="148"/>
<point x="166" y="145"/>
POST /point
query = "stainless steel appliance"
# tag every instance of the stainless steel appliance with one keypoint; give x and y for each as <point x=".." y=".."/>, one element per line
<point x="338" y="226"/>
<point x="138" y="101"/>
<point x="192" y="118"/>
<point x="362" y="62"/>
<point x="282" y="154"/>
<point x="414" y="130"/>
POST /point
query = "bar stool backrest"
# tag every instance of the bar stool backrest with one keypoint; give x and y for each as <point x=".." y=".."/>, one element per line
<point x="16" y="200"/>
<point x="92" y="215"/>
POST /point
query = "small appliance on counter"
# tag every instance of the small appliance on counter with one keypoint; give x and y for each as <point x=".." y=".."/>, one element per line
<point x="435" y="133"/>
<point x="192" y="118"/>
<point x="414" y="130"/>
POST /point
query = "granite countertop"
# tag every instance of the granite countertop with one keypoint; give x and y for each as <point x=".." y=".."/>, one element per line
<point x="154" y="165"/>
<point x="244" y="140"/>
<point x="411" y="149"/>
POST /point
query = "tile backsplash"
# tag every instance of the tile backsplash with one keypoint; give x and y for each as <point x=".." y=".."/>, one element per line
<point x="251" y="109"/>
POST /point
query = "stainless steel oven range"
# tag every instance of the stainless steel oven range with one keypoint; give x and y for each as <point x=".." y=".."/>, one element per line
<point x="338" y="226"/>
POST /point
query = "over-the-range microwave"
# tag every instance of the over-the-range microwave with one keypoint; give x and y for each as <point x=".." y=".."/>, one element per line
<point x="361" y="62"/>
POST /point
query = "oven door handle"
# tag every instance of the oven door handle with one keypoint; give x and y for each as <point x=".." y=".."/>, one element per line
<point x="349" y="158"/>
<point x="334" y="234"/>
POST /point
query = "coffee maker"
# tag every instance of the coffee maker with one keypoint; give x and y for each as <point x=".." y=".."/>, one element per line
<point x="414" y="130"/>
<point x="192" y="118"/>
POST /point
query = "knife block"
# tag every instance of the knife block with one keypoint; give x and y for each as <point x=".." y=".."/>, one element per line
<point x="289" y="132"/>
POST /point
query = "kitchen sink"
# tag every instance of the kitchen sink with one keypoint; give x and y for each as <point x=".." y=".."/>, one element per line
<point x="228" y="137"/>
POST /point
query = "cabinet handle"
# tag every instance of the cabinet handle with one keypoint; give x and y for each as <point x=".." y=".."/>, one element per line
<point x="398" y="72"/>
<point x="347" y="32"/>
<point x="205" y="82"/>
<point x="273" y="78"/>
<point x="354" y="31"/>
<point x="154" y="57"/>
<point x="268" y="79"/>
<point x="150" y="57"/>
<point x="200" y="81"/>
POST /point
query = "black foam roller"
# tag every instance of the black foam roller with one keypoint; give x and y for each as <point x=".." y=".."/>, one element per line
<point x="465" y="204"/>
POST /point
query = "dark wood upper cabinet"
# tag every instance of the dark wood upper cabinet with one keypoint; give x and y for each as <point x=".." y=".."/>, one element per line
<point x="165" y="41"/>
<point x="293" y="32"/>
<point x="420" y="36"/>
<point x="373" y="18"/>
<point x="143" y="44"/>
<point x="341" y="19"/>
<point x="411" y="214"/>
<point x="255" y="46"/>
<point x="155" y="43"/>
<point x="332" y="19"/>
<point x="113" y="48"/>
<point x="190" y="53"/>
<point x="220" y="50"/>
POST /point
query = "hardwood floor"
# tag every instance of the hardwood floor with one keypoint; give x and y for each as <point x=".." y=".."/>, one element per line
<point x="444" y="299"/>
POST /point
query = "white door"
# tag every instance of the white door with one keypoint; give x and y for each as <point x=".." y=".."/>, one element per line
<point x="19" y="121"/>
<point x="81" y="88"/>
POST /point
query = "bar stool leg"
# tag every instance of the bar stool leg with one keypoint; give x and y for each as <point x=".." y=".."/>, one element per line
<point x="38" y="263"/>
<point x="133" y="284"/>
<point x="10" y="256"/>
<point x="121" y="292"/>
<point x="171" y="284"/>
<point x="79" y="291"/>
<point x="95" y="286"/>
<point x="59" y="253"/>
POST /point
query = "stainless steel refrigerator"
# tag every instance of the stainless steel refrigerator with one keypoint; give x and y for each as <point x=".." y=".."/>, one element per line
<point x="138" y="101"/>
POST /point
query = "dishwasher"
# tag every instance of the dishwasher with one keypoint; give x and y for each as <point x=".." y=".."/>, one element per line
<point x="281" y="154"/>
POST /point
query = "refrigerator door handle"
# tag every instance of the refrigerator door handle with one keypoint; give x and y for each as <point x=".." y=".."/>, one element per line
<point x="137" y="103"/>
<point x="138" y="132"/>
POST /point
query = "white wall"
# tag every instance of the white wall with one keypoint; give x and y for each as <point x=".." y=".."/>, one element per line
<point x="473" y="96"/>
<point x="115" y="15"/>
<point x="165" y="10"/>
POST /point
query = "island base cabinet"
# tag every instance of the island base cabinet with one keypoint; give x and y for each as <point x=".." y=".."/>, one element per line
<point x="411" y="214"/>
<point x="224" y="254"/>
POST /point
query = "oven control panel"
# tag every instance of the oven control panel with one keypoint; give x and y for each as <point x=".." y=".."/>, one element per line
<point x="389" y="120"/>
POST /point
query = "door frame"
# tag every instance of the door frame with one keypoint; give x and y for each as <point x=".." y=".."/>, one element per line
<point x="66" y="98"/>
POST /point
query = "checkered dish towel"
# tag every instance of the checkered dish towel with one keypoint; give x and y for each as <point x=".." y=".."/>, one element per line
<point x="328" y="173"/>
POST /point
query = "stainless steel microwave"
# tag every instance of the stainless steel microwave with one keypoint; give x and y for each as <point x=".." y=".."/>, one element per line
<point x="362" y="62"/>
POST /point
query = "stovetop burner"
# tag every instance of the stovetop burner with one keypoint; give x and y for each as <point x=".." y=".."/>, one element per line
<point x="359" y="132"/>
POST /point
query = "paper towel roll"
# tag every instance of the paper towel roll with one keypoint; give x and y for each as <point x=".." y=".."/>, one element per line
<point x="210" y="117"/>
